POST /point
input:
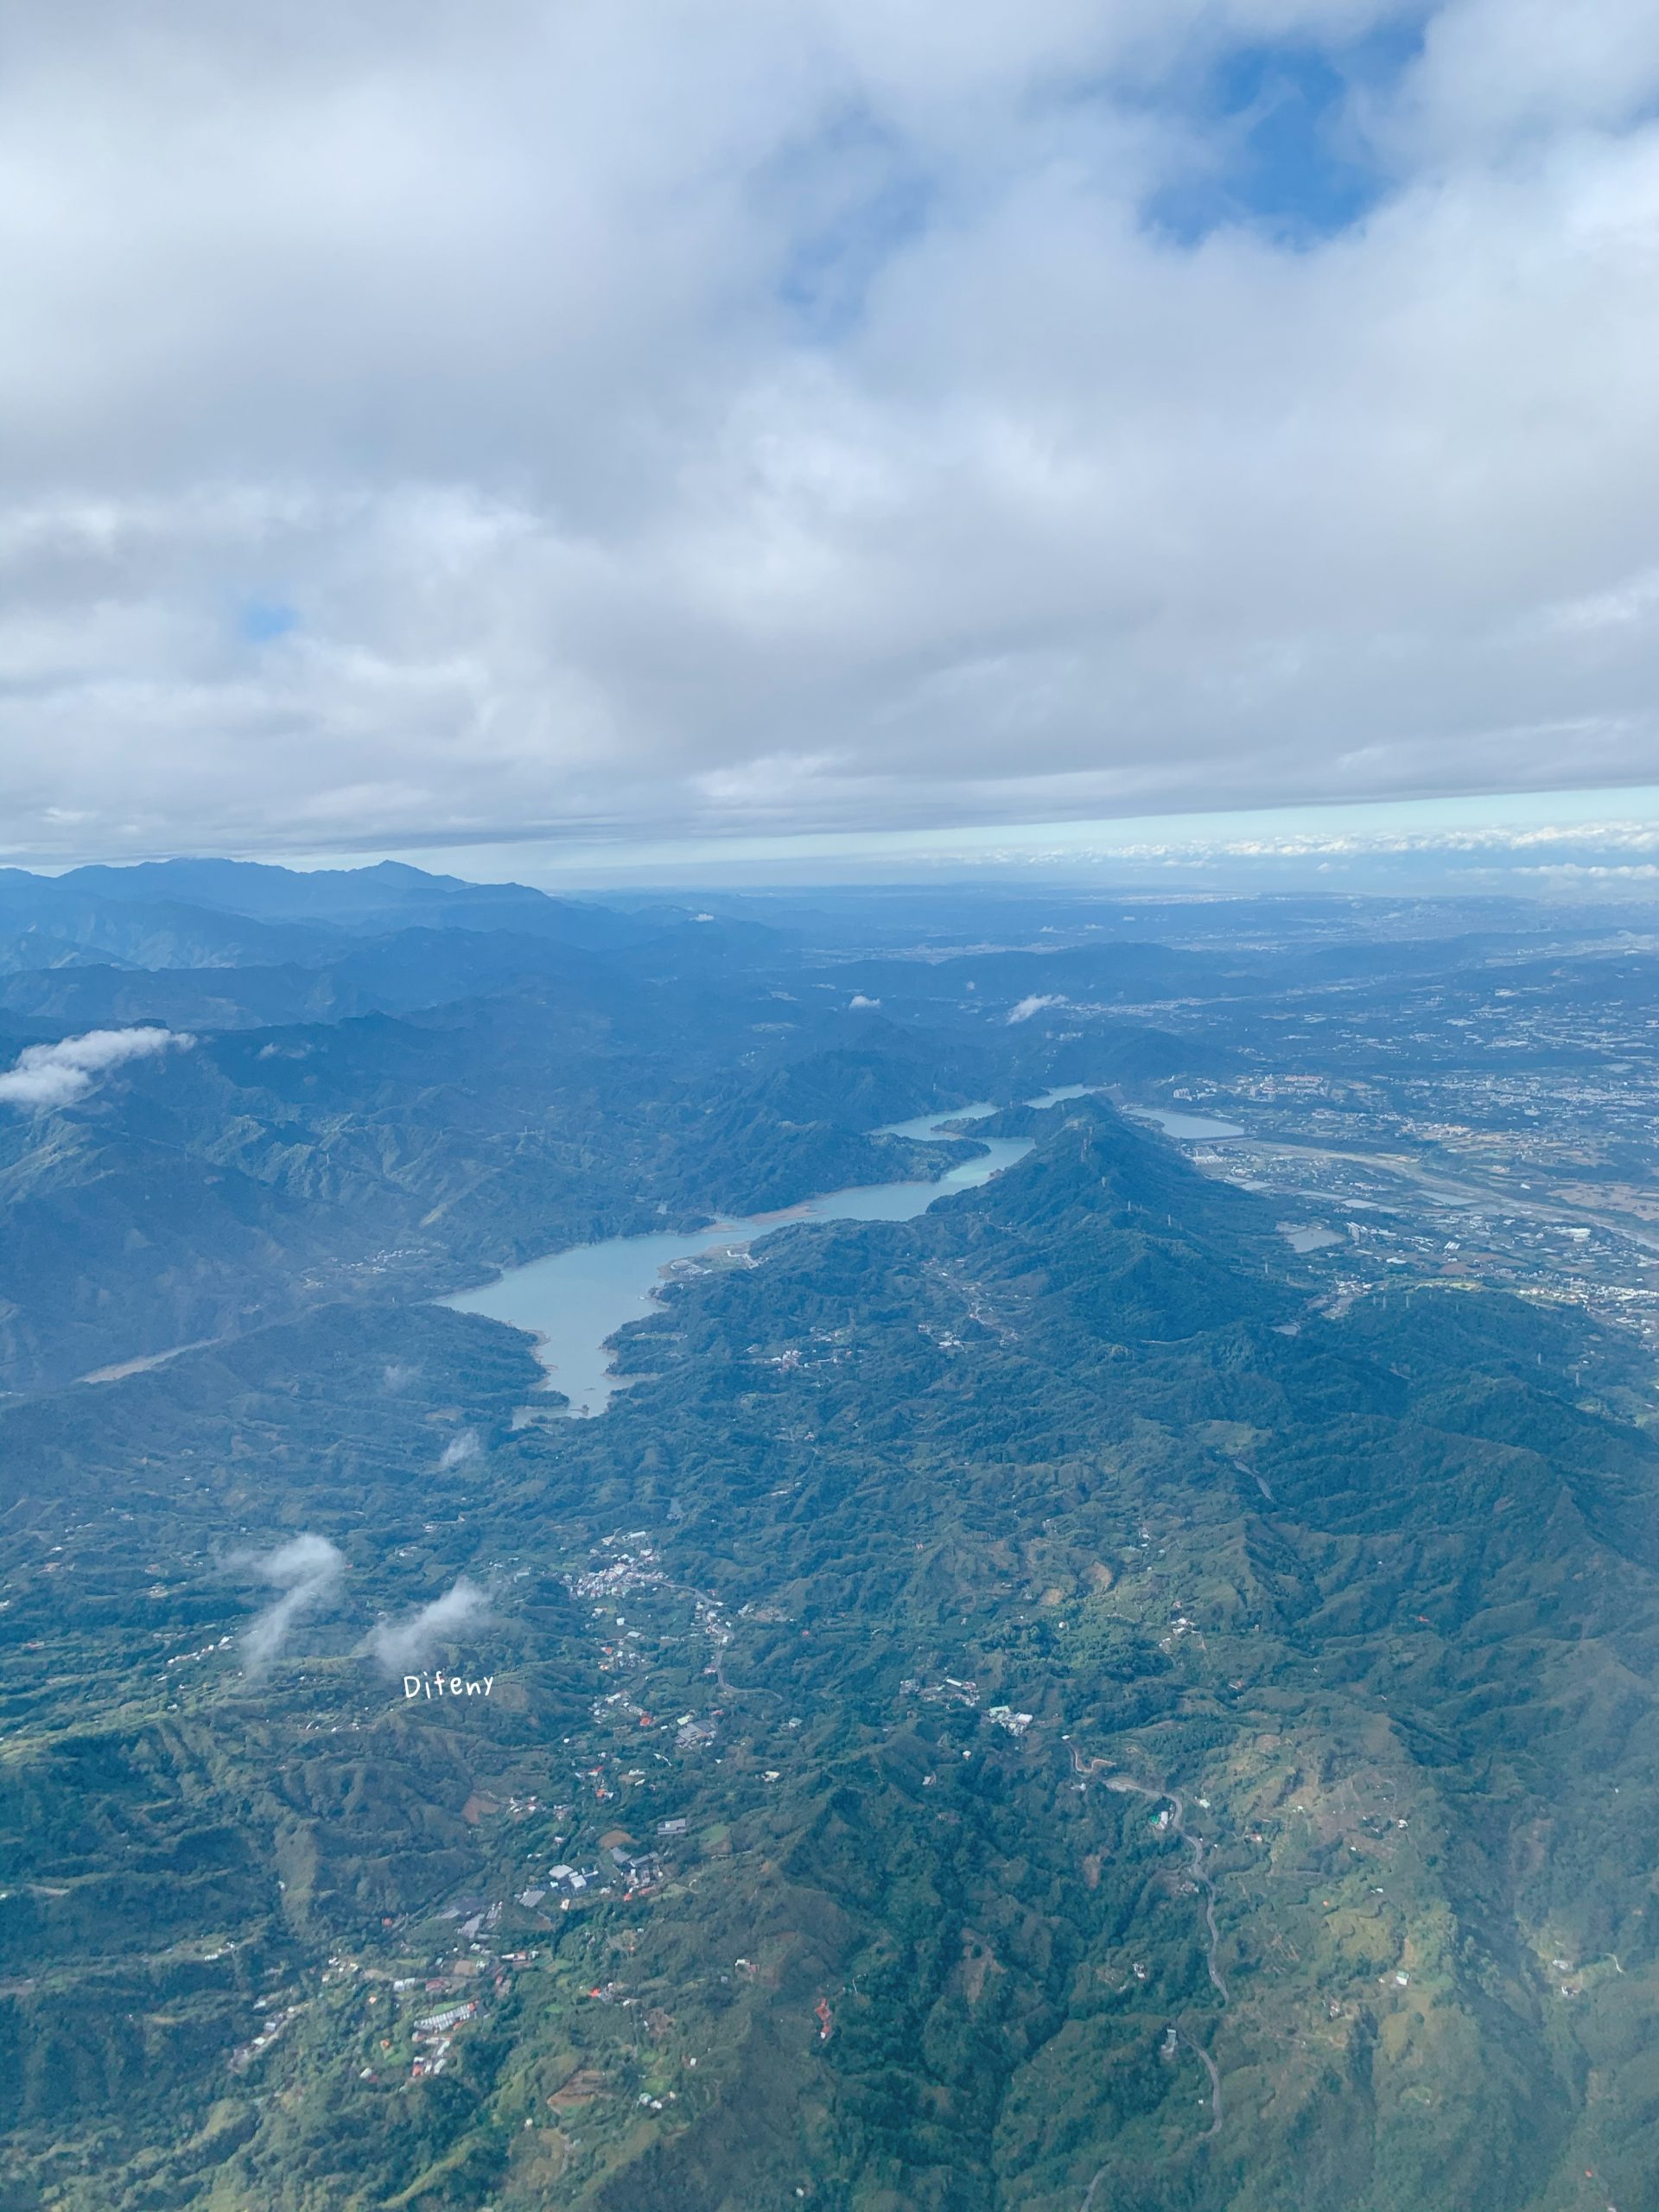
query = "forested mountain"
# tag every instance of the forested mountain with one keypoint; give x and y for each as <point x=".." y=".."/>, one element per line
<point x="1082" y="1697"/>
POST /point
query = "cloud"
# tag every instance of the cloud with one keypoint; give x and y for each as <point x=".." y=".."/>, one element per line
<point x="307" y="1570"/>
<point x="401" y="1644"/>
<point x="57" y="1075"/>
<point x="859" y="1001"/>
<point x="1035" y="1004"/>
<point x="804" y="413"/>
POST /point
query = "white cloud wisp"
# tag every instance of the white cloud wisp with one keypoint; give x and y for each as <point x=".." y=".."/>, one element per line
<point x="45" y="1076"/>
<point x="399" y="1645"/>
<point x="307" y="1570"/>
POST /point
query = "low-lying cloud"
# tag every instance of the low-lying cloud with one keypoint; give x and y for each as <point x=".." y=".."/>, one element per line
<point x="57" y="1075"/>
<point x="1035" y="1004"/>
<point x="401" y="1644"/>
<point x="306" y="1570"/>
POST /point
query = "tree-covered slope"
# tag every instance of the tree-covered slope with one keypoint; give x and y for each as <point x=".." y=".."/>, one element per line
<point x="1040" y="1711"/>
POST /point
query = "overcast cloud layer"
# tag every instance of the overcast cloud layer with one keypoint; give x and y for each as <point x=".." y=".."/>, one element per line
<point x="429" y="420"/>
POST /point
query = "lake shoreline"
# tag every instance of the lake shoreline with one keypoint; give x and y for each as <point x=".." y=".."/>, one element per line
<point x="562" y="1298"/>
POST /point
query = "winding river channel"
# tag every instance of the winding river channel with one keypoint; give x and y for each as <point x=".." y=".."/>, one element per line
<point x="573" y="1301"/>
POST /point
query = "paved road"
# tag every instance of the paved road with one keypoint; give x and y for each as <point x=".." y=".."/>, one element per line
<point x="1197" y="1846"/>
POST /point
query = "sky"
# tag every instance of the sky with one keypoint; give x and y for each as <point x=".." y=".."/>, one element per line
<point x="627" y="425"/>
<point x="1566" y="846"/>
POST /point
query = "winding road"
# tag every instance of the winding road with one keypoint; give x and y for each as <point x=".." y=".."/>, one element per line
<point x="720" y="1633"/>
<point x="1196" y="1844"/>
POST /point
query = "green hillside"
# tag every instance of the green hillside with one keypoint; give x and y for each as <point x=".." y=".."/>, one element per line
<point x="953" y="1615"/>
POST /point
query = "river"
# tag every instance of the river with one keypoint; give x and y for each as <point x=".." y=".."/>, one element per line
<point x="573" y="1301"/>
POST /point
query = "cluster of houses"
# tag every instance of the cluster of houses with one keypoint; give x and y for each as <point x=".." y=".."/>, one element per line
<point x="438" y="2030"/>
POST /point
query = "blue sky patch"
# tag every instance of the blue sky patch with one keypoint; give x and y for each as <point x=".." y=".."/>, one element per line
<point x="1291" y="157"/>
<point x="259" y="621"/>
<point x="857" y="199"/>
